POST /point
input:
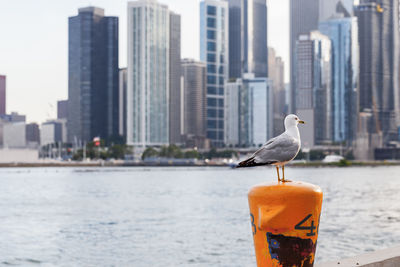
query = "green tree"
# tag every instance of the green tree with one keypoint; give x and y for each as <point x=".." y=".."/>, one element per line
<point x="149" y="152"/>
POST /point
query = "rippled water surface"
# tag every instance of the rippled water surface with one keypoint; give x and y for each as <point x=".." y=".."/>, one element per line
<point x="179" y="216"/>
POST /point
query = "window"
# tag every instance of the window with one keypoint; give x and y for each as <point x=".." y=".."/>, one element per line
<point x="211" y="68"/>
<point x="220" y="102"/>
<point x="221" y="70"/>
<point x="212" y="135"/>
<point x="211" y="57"/>
<point x="211" y="46"/>
<point x="211" y="124"/>
<point x="221" y="91"/>
<point x="211" y="113"/>
<point x="211" y="102"/>
<point x="211" y="10"/>
<point x="221" y="113"/>
<point x="211" y="90"/>
<point x="221" y="80"/>
<point x="211" y="22"/>
<point x="211" y="34"/>
<point x="211" y="79"/>
<point x="221" y="59"/>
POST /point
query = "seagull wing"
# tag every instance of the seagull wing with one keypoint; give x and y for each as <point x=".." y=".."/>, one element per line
<point x="279" y="149"/>
<point x="282" y="148"/>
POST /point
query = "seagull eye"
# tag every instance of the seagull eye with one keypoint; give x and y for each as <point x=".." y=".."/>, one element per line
<point x="296" y="119"/>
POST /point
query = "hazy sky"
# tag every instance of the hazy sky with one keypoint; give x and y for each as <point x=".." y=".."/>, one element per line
<point x="34" y="46"/>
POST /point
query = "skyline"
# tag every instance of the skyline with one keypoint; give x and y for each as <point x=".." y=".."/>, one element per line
<point x="35" y="60"/>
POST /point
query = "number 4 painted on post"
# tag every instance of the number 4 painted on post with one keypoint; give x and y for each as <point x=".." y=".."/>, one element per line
<point x="299" y="226"/>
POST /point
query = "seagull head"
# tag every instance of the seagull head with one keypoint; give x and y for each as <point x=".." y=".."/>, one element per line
<point x="292" y="120"/>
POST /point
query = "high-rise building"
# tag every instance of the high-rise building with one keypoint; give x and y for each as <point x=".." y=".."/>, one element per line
<point x="378" y="28"/>
<point x="330" y="8"/>
<point x="62" y="109"/>
<point x="123" y="87"/>
<point x="313" y="101"/>
<point x="303" y="19"/>
<point x="2" y="94"/>
<point x="256" y="111"/>
<point x="194" y="98"/>
<point x="345" y="51"/>
<point x="248" y="111"/>
<point x="175" y="97"/>
<point x="148" y="73"/>
<point x="248" y="38"/>
<point x="214" y="50"/>
<point x="92" y="75"/>
<point x="276" y="71"/>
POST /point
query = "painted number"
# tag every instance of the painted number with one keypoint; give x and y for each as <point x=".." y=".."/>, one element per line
<point x="300" y="226"/>
<point x="252" y="224"/>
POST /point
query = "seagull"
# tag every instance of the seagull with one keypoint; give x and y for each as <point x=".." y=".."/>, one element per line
<point x="279" y="150"/>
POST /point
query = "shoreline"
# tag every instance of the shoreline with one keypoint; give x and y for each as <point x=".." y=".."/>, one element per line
<point x="315" y="164"/>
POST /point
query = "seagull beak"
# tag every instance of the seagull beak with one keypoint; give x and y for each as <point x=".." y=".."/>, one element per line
<point x="302" y="122"/>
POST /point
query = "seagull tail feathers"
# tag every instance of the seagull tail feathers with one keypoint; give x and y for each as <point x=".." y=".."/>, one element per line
<point x="250" y="162"/>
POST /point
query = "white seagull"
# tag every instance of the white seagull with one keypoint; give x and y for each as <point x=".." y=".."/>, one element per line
<point x="279" y="150"/>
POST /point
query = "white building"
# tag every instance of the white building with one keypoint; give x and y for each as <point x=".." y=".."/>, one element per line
<point x="231" y="112"/>
<point x="148" y="73"/>
<point x="14" y="135"/>
<point x="248" y="111"/>
<point x="53" y="131"/>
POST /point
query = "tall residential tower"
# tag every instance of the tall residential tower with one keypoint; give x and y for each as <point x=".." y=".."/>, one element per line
<point x="92" y="75"/>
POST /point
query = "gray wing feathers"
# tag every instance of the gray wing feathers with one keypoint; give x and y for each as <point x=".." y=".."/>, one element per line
<point x="281" y="148"/>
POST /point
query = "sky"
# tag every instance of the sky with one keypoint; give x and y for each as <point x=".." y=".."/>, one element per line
<point x="34" y="46"/>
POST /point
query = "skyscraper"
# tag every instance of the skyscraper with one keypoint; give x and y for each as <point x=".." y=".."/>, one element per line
<point x="303" y="19"/>
<point x="248" y="38"/>
<point x="122" y="101"/>
<point x="313" y="101"/>
<point x="276" y="77"/>
<point x="345" y="55"/>
<point x="330" y="8"/>
<point x="92" y="75"/>
<point x="2" y="94"/>
<point x="175" y="79"/>
<point x="194" y="98"/>
<point x="378" y="23"/>
<point x="62" y="109"/>
<point x="214" y="50"/>
<point x="148" y="73"/>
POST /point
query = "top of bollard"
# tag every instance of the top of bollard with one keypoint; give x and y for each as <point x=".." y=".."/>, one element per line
<point x="297" y="187"/>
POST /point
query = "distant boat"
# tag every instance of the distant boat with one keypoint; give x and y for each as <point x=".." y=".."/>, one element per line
<point x="332" y="159"/>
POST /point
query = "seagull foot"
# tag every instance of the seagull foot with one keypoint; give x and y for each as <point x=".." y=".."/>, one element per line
<point x="285" y="181"/>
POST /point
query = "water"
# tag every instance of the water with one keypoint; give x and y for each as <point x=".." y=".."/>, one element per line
<point x="179" y="216"/>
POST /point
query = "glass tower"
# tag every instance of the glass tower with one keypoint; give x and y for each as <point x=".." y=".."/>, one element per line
<point x="343" y="35"/>
<point x="214" y="51"/>
<point x="148" y="73"/>
<point x="92" y="75"/>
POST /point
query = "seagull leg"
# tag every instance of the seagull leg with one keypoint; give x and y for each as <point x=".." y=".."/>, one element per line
<point x="283" y="173"/>
<point x="277" y="171"/>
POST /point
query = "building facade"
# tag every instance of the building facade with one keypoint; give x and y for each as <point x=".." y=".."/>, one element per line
<point x="123" y="87"/>
<point x="345" y="50"/>
<point x="314" y="88"/>
<point x="92" y="75"/>
<point x="378" y="34"/>
<point x="248" y="111"/>
<point x="214" y="50"/>
<point x="2" y="94"/>
<point x="248" y="38"/>
<point x="62" y="109"/>
<point x="276" y="73"/>
<point x="303" y="19"/>
<point x="194" y="98"/>
<point x="175" y="97"/>
<point x="148" y="73"/>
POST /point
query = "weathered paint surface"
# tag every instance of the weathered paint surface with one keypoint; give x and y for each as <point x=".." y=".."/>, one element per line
<point x="284" y="221"/>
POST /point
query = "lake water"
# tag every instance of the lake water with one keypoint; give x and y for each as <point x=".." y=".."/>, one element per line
<point x="179" y="216"/>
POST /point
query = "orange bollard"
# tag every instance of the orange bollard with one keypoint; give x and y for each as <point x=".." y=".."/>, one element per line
<point x="285" y="221"/>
